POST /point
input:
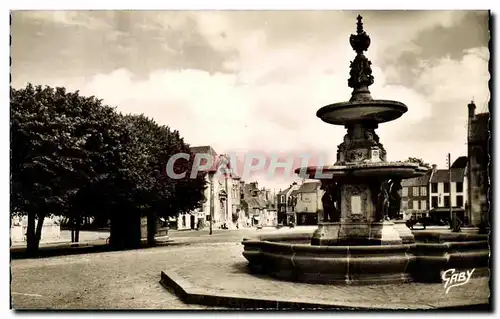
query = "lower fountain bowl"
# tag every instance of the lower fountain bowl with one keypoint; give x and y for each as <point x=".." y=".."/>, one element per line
<point x="361" y="171"/>
<point x="282" y="257"/>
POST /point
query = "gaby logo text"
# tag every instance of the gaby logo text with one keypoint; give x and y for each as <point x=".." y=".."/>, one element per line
<point x="454" y="278"/>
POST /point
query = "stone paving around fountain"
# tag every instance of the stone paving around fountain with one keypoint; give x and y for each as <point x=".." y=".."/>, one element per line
<point x="218" y="274"/>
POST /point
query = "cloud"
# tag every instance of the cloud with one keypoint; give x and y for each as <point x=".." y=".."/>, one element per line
<point x="287" y="66"/>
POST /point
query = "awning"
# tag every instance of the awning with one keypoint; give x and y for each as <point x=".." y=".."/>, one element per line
<point x="256" y="217"/>
<point x="446" y="209"/>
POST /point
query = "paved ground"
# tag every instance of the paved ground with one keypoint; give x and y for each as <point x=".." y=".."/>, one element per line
<point x="114" y="280"/>
<point x="130" y="279"/>
<point x="224" y="271"/>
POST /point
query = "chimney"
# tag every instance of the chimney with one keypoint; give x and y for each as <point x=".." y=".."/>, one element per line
<point x="472" y="109"/>
<point x="434" y="167"/>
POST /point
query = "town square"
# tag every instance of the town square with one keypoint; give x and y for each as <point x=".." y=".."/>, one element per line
<point x="250" y="160"/>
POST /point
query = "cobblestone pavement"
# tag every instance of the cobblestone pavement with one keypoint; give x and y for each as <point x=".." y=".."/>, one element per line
<point x="113" y="280"/>
<point x="130" y="280"/>
<point x="225" y="271"/>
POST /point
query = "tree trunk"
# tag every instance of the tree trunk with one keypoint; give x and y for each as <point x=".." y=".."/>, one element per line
<point x="151" y="228"/>
<point x="78" y="222"/>
<point x="39" y="226"/>
<point x="72" y="225"/>
<point x="31" y="242"/>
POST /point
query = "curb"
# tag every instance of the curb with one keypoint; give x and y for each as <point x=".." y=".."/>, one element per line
<point x="189" y="294"/>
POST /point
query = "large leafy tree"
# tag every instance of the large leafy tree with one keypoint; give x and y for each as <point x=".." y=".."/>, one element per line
<point x="73" y="156"/>
<point x="60" y="142"/>
<point x="161" y="195"/>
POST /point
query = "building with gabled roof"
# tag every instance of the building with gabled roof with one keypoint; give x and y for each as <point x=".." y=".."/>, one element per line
<point x="415" y="196"/>
<point x="222" y="195"/>
<point x="445" y="195"/>
<point x="309" y="204"/>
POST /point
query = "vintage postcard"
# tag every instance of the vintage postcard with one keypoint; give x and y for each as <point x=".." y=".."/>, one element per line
<point x="250" y="160"/>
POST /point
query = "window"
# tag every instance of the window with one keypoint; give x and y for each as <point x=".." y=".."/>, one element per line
<point x="423" y="191"/>
<point x="415" y="191"/>
<point x="434" y="201"/>
<point x="460" y="201"/>
<point x="446" y="201"/>
<point x="405" y="192"/>
<point x="183" y="220"/>
<point x="415" y="204"/>
<point x="460" y="187"/>
<point x="434" y="187"/>
<point x="446" y="187"/>
<point x="423" y="205"/>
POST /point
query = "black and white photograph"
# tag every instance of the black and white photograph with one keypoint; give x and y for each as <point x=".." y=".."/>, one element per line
<point x="251" y="160"/>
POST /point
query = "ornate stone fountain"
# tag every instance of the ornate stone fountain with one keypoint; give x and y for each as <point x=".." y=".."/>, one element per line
<point x="362" y="190"/>
<point x="357" y="241"/>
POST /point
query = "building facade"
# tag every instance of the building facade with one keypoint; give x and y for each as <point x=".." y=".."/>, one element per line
<point x="477" y="167"/>
<point x="281" y="199"/>
<point x="309" y="203"/>
<point x="222" y="195"/>
<point x="445" y="195"/>
<point x="415" y="196"/>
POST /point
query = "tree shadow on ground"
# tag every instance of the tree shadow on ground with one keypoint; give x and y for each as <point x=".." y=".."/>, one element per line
<point x="75" y="249"/>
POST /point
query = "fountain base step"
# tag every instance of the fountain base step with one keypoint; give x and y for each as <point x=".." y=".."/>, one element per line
<point x="356" y="233"/>
<point x="404" y="232"/>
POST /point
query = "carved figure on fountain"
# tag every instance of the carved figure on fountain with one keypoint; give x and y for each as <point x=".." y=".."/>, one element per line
<point x="395" y="198"/>
<point x="330" y="201"/>
<point x="361" y="72"/>
<point x="382" y="208"/>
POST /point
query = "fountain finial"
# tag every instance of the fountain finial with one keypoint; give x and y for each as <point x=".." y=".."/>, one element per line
<point x="361" y="72"/>
<point x="360" y="41"/>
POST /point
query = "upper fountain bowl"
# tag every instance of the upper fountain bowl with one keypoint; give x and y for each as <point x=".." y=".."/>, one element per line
<point x="375" y="111"/>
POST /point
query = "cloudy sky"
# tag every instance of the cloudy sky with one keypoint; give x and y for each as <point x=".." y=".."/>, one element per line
<point x="241" y="81"/>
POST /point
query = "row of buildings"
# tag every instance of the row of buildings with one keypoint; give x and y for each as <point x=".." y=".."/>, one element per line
<point x="229" y="201"/>
<point x="233" y="203"/>
<point x="463" y="189"/>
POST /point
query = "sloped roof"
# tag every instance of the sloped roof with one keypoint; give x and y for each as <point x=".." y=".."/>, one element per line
<point x="203" y="150"/>
<point x="309" y="187"/>
<point x="417" y="181"/>
<point x="284" y="191"/>
<point x="294" y="192"/>
<point x="479" y="127"/>
<point x="256" y="202"/>
<point x="460" y="162"/>
<point x="442" y="175"/>
<point x="206" y="150"/>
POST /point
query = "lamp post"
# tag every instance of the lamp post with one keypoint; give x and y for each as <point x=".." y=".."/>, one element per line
<point x="211" y="202"/>
<point x="452" y="219"/>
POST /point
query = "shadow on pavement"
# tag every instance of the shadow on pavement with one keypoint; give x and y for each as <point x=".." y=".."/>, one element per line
<point x="83" y="248"/>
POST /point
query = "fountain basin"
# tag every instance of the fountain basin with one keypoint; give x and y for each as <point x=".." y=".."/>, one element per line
<point x="375" y="111"/>
<point x="360" y="171"/>
<point x="351" y="172"/>
<point x="284" y="258"/>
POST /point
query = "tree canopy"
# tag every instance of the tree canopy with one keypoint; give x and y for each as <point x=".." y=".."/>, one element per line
<point x="73" y="156"/>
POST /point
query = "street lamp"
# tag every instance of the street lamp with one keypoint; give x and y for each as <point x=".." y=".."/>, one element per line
<point x="211" y="201"/>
